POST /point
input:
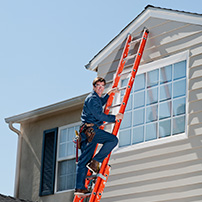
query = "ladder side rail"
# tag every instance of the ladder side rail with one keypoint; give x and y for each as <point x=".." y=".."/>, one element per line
<point x="132" y="79"/>
<point x="118" y="72"/>
<point x="96" y="196"/>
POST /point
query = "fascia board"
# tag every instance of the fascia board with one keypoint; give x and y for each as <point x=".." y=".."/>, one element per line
<point x="149" y="12"/>
<point x="67" y="104"/>
<point x="177" y="16"/>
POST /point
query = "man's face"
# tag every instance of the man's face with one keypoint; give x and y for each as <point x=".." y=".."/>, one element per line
<point x="99" y="88"/>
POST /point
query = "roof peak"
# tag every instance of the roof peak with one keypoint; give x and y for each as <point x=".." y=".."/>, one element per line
<point x="169" y="9"/>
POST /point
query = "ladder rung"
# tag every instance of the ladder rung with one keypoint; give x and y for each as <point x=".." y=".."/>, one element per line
<point x="135" y="41"/>
<point x="113" y="106"/>
<point x="125" y="73"/>
<point x="122" y="88"/>
<point x="110" y="81"/>
<point x="107" y="123"/>
<point x="129" y="65"/>
<point x="130" y="57"/>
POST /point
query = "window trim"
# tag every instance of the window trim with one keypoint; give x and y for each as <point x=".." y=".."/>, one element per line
<point x="62" y="159"/>
<point x="149" y="67"/>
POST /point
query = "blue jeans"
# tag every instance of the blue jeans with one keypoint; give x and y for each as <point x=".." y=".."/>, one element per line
<point x="108" y="140"/>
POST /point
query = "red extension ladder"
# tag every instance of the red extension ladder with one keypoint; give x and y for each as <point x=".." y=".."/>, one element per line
<point x="101" y="179"/>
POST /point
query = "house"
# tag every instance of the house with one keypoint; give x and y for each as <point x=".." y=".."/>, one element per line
<point x="159" y="153"/>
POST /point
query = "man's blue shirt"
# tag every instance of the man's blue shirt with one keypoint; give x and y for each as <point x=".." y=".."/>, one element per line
<point x="93" y="110"/>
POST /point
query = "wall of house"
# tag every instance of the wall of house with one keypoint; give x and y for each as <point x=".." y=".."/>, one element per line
<point x="172" y="171"/>
<point x="31" y="155"/>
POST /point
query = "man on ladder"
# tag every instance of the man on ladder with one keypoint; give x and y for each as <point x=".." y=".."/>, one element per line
<point x="92" y="118"/>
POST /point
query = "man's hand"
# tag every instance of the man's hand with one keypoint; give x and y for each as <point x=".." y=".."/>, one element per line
<point x="113" y="90"/>
<point x="119" y="116"/>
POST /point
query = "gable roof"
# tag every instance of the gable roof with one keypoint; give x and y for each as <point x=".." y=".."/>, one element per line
<point x="149" y="11"/>
<point x="4" y="198"/>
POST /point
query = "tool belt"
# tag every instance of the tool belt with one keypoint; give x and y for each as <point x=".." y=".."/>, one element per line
<point x="87" y="128"/>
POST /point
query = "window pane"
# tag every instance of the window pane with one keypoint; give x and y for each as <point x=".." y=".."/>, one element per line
<point x="70" y="181"/>
<point x="127" y="120"/>
<point x="179" y="88"/>
<point x="178" y="125"/>
<point x="138" y="134"/>
<point x="62" y="183"/>
<point x="62" y="150"/>
<point x="152" y="96"/>
<point x="62" y="168"/>
<point x="139" y="83"/>
<point x="152" y="78"/>
<point x="139" y="99"/>
<point x="165" y="128"/>
<point x="151" y="113"/>
<point x="179" y="70"/>
<point x="138" y="117"/>
<point x="165" y="92"/>
<point x="151" y="131"/>
<point x="129" y="104"/>
<point x="71" y="134"/>
<point x="164" y="110"/>
<point x="166" y="74"/>
<point x="124" y="138"/>
<point x="63" y="135"/>
<point x="70" y="149"/>
<point x="66" y="175"/>
<point x="70" y="167"/>
<point x="179" y="106"/>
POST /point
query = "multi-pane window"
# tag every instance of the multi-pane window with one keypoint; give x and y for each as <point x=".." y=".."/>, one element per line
<point x="66" y="167"/>
<point x="157" y="105"/>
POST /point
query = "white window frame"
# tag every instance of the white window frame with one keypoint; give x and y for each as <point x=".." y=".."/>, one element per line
<point x="65" y="158"/>
<point x="149" y="67"/>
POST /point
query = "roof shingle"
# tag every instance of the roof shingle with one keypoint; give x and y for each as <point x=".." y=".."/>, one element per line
<point x="4" y="198"/>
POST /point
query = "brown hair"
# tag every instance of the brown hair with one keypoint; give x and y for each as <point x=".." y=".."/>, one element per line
<point x="98" y="79"/>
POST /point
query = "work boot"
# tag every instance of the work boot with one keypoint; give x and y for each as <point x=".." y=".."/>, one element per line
<point x="82" y="192"/>
<point x="93" y="166"/>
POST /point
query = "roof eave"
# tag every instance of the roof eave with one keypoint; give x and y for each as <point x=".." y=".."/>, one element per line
<point x="67" y="104"/>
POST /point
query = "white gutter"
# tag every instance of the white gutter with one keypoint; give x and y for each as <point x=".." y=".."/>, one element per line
<point x="18" y="159"/>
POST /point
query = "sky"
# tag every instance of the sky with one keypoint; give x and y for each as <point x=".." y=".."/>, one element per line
<point x="44" y="47"/>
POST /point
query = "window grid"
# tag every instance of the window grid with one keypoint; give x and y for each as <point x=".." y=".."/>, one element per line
<point x="67" y="143"/>
<point x="66" y="167"/>
<point x="170" y="101"/>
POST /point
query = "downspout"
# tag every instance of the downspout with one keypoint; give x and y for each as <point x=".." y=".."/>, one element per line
<point x="17" y="171"/>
